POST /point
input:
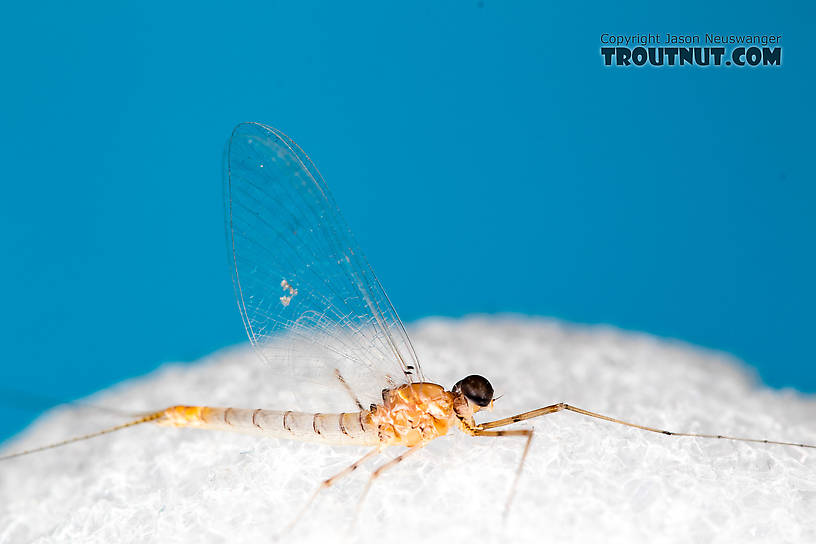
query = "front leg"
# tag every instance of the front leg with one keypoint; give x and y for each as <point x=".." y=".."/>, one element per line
<point x="564" y="406"/>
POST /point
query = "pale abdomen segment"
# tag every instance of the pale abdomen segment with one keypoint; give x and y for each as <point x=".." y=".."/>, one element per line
<point x="353" y="428"/>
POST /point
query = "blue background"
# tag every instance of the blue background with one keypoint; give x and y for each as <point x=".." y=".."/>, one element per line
<point x="485" y="158"/>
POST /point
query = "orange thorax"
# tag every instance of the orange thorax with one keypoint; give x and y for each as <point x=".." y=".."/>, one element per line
<point x="413" y="414"/>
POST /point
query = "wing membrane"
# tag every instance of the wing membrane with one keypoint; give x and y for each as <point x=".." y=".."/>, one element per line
<point x="308" y="297"/>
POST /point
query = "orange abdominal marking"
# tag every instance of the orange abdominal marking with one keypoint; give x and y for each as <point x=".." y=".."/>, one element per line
<point x="183" y="416"/>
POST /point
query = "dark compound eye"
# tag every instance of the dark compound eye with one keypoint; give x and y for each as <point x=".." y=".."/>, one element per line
<point x="476" y="388"/>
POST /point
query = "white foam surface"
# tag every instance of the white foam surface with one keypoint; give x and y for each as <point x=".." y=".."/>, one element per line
<point x="584" y="481"/>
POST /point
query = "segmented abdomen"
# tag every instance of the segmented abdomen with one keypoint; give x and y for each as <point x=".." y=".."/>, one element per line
<point x="354" y="428"/>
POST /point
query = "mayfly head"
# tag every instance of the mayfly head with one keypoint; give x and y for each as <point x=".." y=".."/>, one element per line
<point x="476" y="390"/>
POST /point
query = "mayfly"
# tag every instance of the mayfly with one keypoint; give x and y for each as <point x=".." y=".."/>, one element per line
<point x="299" y="276"/>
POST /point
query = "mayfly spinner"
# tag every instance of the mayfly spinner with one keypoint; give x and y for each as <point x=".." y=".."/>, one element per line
<point x="307" y="296"/>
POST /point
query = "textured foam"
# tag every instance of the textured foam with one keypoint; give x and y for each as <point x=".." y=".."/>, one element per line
<point x="585" y="480"/>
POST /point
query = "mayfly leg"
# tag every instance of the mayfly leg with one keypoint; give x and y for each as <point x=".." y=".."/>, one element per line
<point x="563" y="406"/>
<point x="328" y="483"/>
<point x="522" y="432"/>
<point x="483" y="430"/>
<point x="377" y="473"/>
<point x="345" y="384"/>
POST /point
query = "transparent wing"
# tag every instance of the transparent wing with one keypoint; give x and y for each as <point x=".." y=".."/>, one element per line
<point x="308" y="297"/>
